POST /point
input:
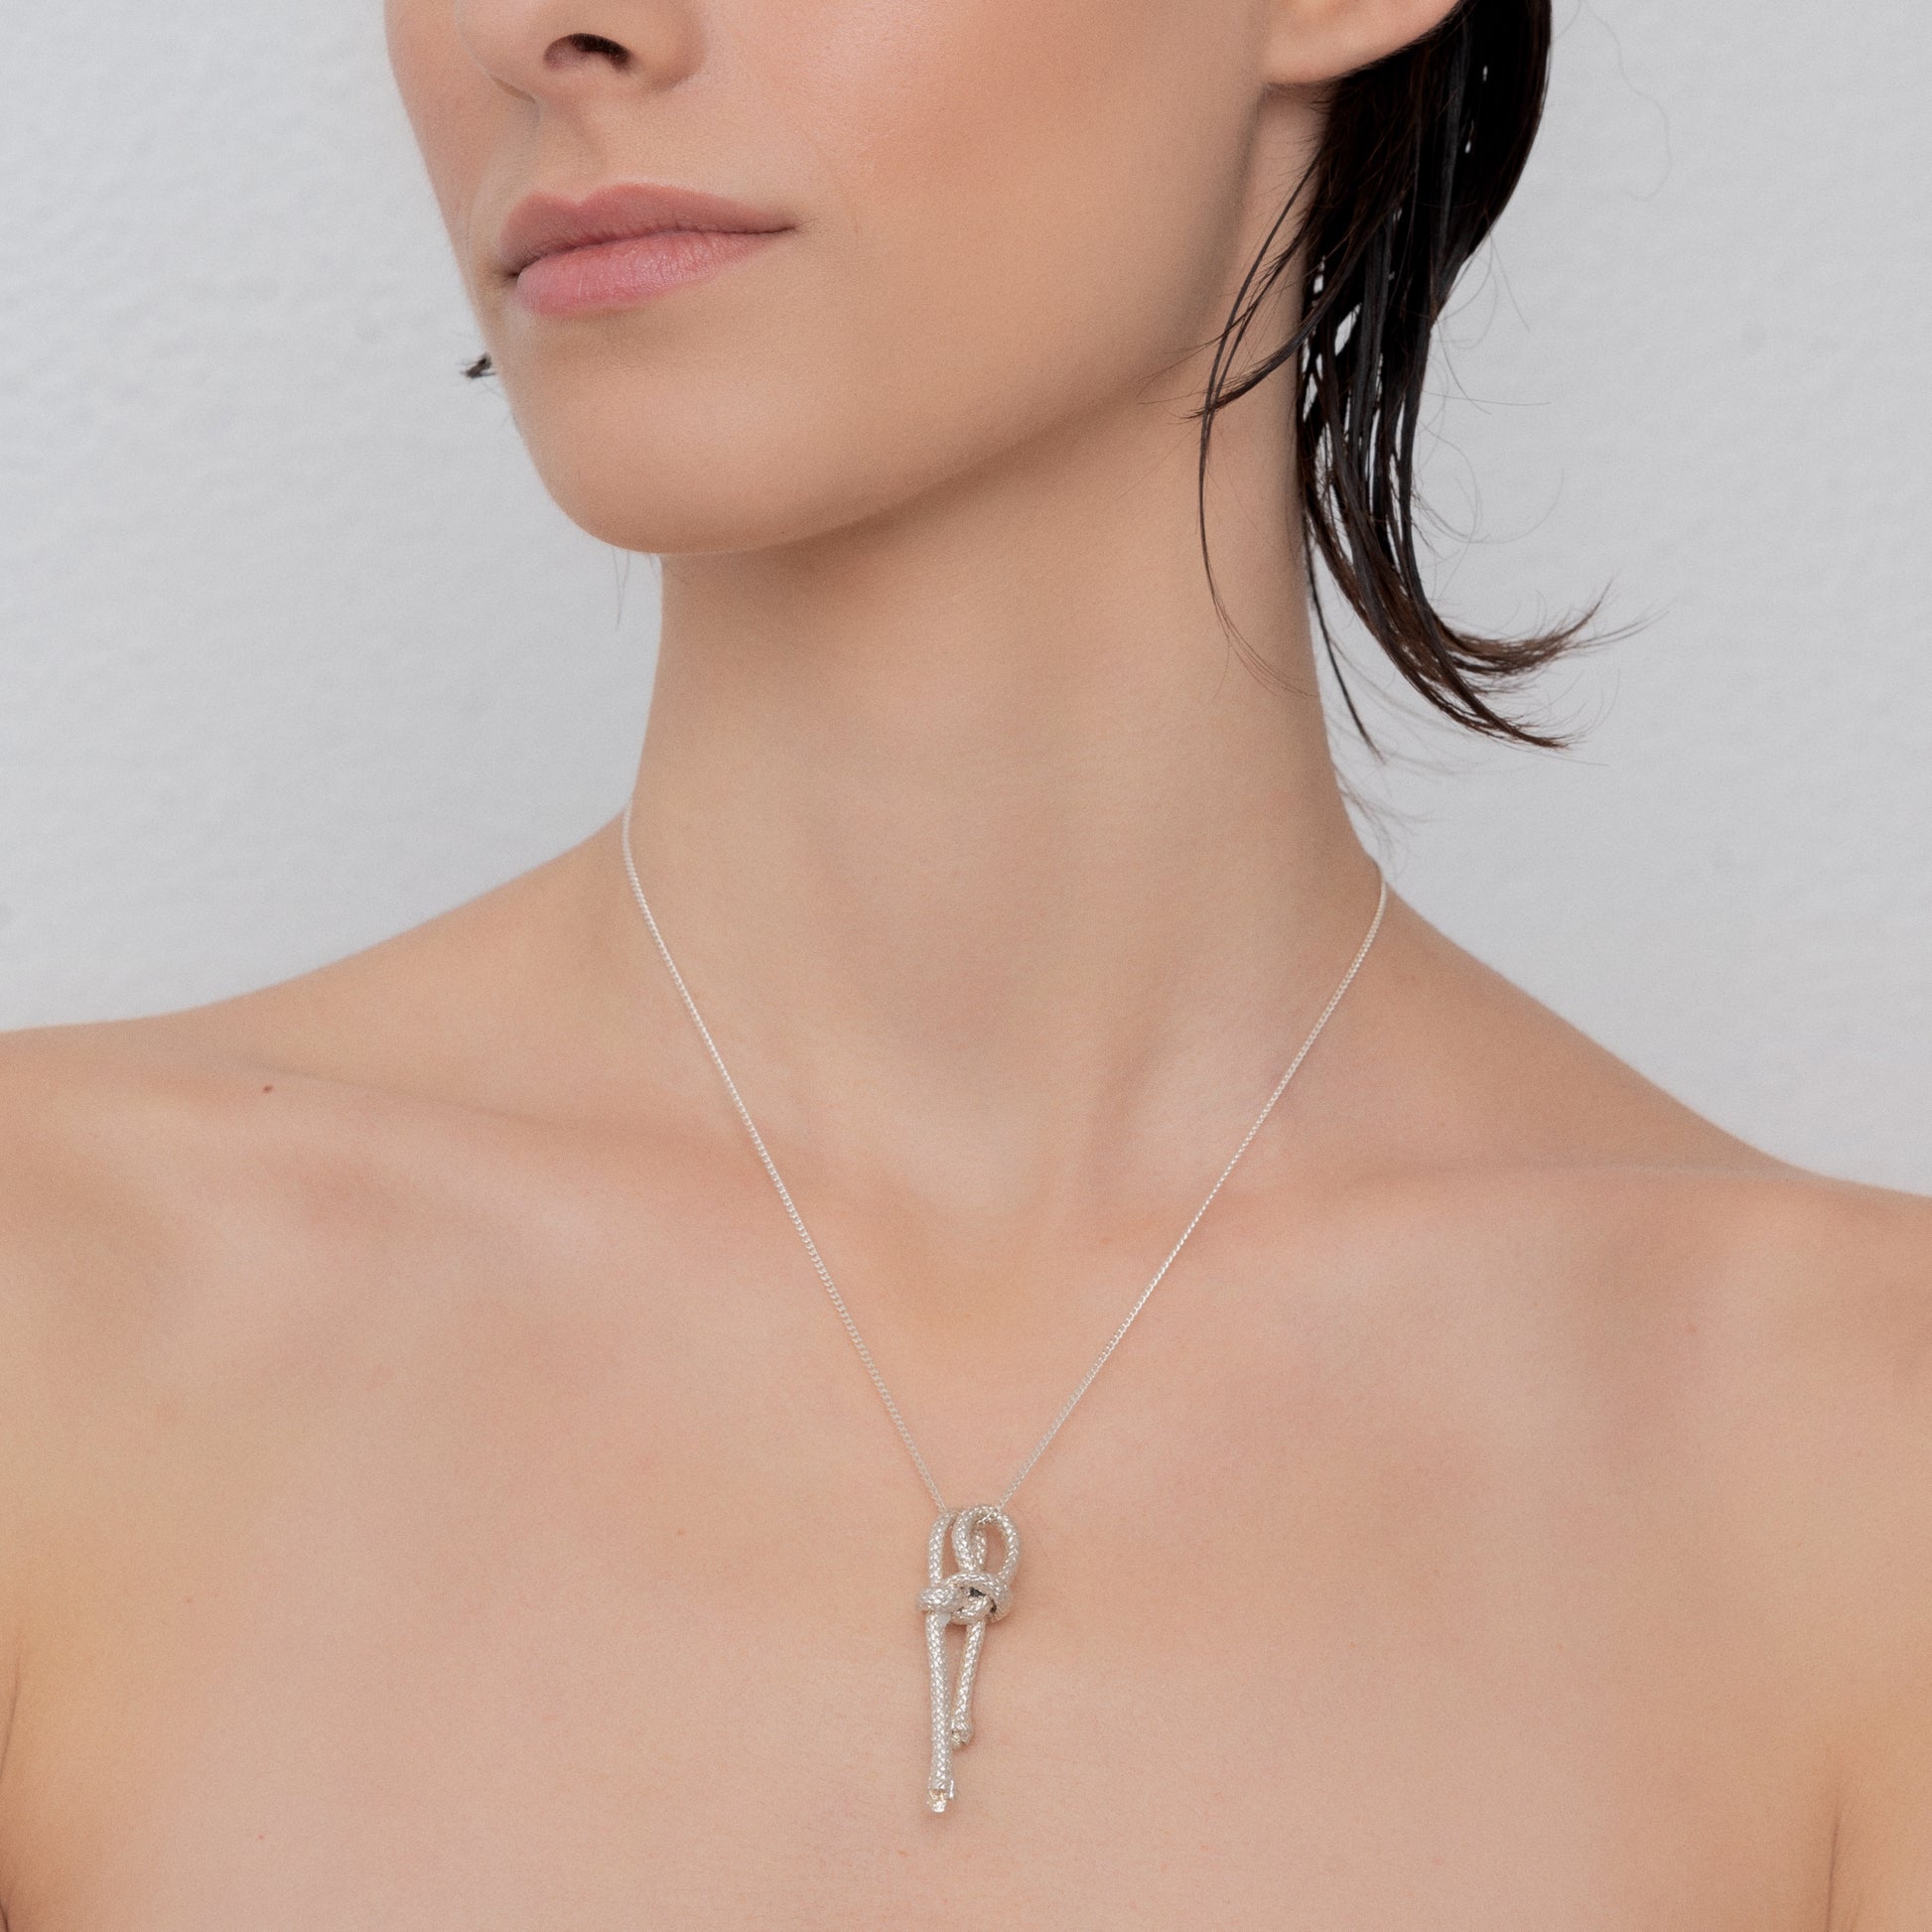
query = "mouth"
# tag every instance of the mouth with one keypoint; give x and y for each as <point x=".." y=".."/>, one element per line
<point x="624" y="244"/>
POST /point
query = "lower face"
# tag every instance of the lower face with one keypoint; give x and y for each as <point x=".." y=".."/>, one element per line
<point x="985" y="219"/>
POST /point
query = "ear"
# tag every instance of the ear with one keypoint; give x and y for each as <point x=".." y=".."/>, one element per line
<point x="1314" y="41"/>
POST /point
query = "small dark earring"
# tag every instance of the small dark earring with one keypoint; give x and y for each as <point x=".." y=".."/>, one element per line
<point x="481" y="367"/>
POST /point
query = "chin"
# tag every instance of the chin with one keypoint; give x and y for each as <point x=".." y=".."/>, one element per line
<point x="734" y="464"/>
<point x="689" y="498"/>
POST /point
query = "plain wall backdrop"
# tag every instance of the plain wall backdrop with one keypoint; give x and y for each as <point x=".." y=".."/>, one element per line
<point x="294" y="651"/>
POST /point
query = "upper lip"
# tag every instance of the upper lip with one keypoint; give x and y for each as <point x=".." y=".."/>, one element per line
<point x="546" y="224"/>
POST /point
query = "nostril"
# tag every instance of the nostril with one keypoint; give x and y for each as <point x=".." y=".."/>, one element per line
<point x="574" y="47"/>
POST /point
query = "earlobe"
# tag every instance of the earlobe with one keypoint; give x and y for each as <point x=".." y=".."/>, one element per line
<point x="1315" y="41"/>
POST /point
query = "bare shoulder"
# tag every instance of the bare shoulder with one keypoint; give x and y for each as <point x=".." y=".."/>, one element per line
<point x="1833" y="1286"/>
<point x="136" y="1166"/>
<point x="1752" y="1354"/>
<point x="97" y="1122"/>
<point x="204" y="1215"/>
<point x="98" y="1125"/>
<point x="1807" y="1352"/>
<point x="147" y="1166"/>
<point x="180" y="1189"/>
<point x="1747" y="1347"/>
<point x="173" y="1187"/>
<point x="179" y="1193"/>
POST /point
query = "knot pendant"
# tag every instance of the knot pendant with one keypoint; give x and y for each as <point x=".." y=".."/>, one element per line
<point x="974" y="1596"/>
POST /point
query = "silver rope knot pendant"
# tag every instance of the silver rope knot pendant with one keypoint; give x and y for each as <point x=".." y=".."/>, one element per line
<point x="972" y="1595"/>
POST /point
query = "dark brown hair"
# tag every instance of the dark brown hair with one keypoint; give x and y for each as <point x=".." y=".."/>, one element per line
<point x="1420" y="155"/>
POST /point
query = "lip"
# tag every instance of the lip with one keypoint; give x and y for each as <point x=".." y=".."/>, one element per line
<point x="624" y="244"/>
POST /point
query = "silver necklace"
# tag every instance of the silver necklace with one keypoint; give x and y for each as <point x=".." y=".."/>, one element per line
<point x="972" y="1595"/>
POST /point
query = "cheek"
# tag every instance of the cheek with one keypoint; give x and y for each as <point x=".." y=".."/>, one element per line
<point x="1014" y="212"/>
<point x="457" y="116"/>
<point x="1040" y="176"/>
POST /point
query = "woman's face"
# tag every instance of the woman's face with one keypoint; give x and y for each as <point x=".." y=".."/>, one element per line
<point x="980" y="223"/>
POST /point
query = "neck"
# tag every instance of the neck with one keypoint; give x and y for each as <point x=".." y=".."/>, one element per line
<point x="988" y="857"/>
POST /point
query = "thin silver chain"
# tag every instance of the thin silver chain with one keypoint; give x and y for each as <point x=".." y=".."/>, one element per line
<point x="825" y="1273"/>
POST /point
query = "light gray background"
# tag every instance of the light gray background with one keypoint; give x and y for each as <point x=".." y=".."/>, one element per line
<point x="294" y="652"/>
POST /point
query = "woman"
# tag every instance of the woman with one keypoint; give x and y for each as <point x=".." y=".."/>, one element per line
<point x="438" y="1489"/>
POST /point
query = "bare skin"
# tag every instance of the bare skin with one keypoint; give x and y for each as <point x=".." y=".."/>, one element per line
<point x="436" y="1491"/>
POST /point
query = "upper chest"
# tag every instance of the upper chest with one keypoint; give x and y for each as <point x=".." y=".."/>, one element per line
<point x="499" y="1598"/>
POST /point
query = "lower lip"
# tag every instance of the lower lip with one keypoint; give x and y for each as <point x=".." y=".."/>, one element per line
<point x="622" y="274"/>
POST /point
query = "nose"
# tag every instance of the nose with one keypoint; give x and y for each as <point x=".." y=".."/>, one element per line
<point x="559" y="50"/>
